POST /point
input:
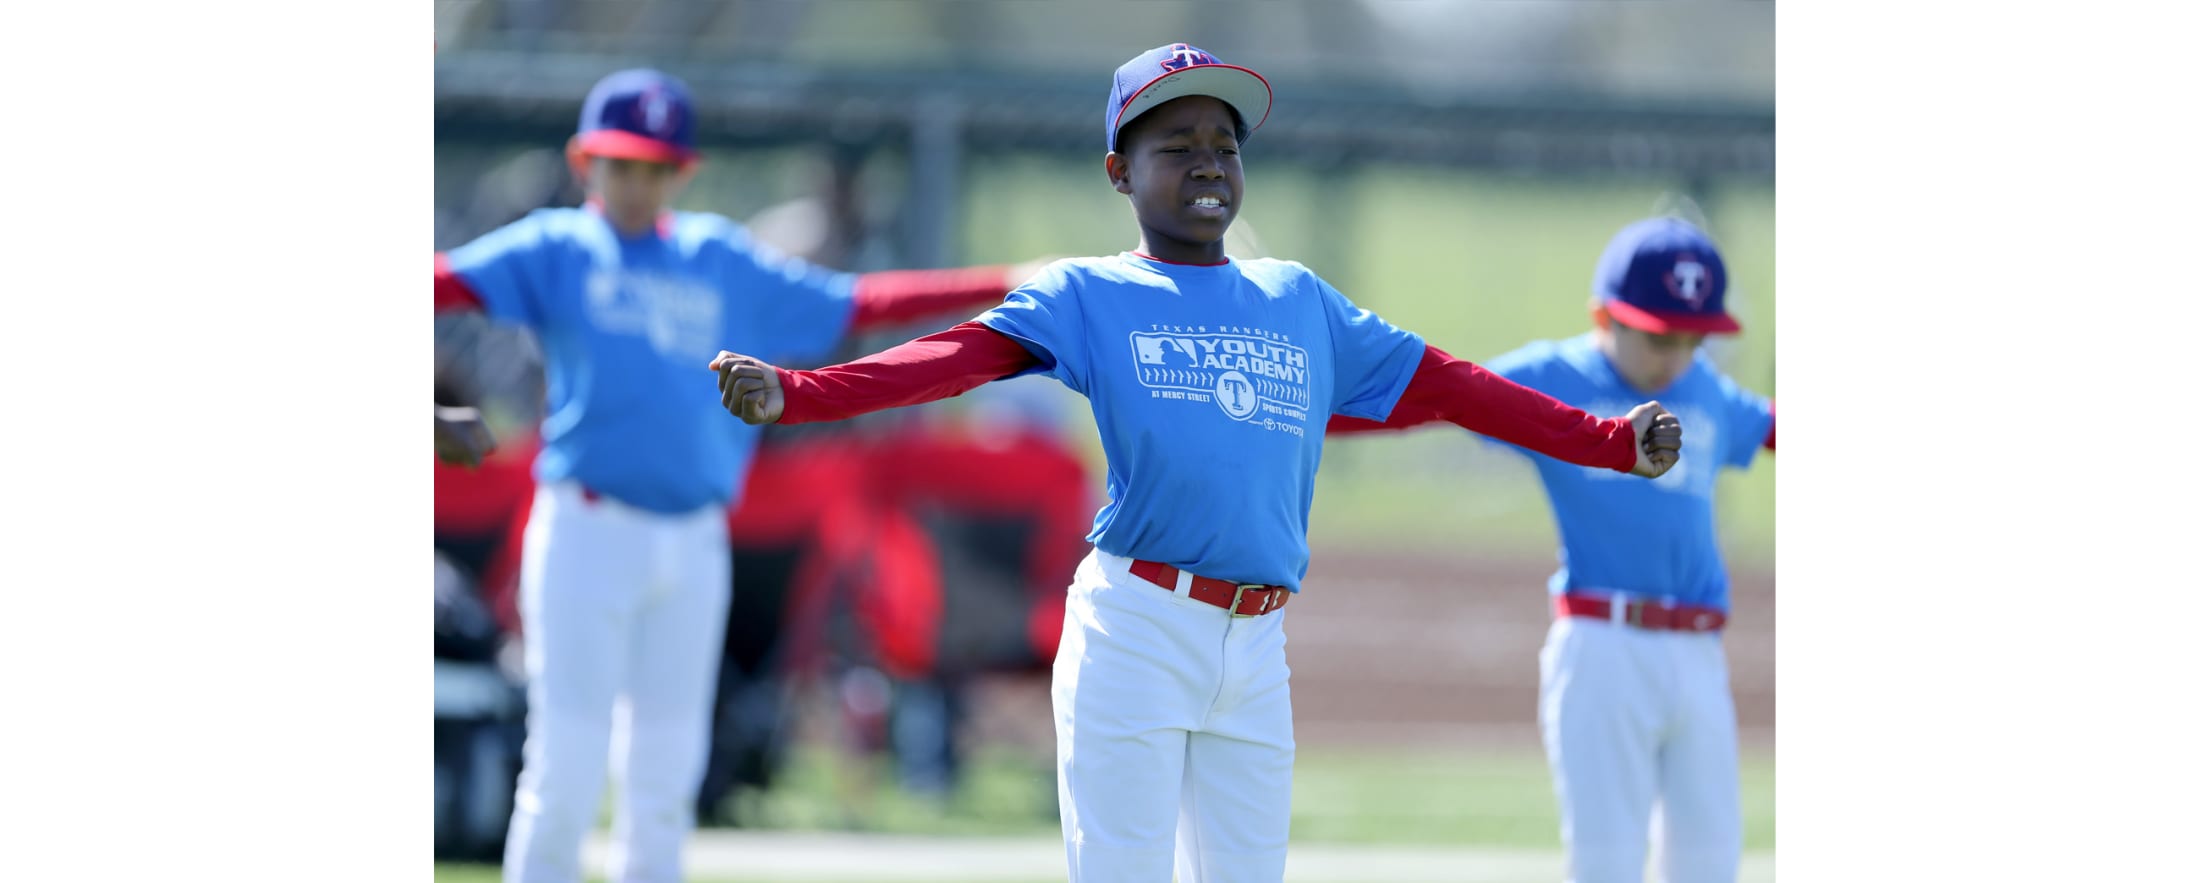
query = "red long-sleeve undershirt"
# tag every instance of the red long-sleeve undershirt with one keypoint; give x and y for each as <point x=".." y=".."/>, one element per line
<point x="878" y="299"/>
<point x="1444" y="387"/>
<point x="1413" y="411"/>
<point x="926" y="369"/>
<point x="1460" y="392"/>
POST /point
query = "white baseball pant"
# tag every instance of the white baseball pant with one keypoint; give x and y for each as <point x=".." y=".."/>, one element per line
<point x="1643" y="747"/>
<point x="1175" y="737"/>
<point x="623" y="612"/>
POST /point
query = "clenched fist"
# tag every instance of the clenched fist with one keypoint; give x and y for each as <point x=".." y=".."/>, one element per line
<point x="750" y="389"/>
<point x="1656" y="432"/>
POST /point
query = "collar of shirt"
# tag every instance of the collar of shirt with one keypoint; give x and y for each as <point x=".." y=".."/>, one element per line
<point x="662" y="230"/>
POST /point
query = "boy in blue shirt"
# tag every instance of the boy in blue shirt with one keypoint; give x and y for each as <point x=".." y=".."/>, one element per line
<point x="1636" y="708"/>
<point x="1211" y="380"/>
<point x="625" y="572"/>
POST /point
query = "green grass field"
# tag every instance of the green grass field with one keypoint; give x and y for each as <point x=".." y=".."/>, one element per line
<point x="451" y="873"/>
<point x="1415" y="798"/>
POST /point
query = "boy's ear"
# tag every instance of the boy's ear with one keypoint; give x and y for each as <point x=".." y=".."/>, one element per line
<point x="578" y="162"/>
<point x="1601" y="316"/>
<point x="1115" y="168"/>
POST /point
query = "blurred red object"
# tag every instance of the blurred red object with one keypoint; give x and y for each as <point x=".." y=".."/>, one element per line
<point x="847" y="504"/>
<point x="1008" y="473"/>
<point x="489" y="505"/>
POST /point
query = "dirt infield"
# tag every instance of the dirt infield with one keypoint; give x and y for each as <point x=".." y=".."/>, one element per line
<point x="1397" y="648"/>
<point x="1426" y="649"/>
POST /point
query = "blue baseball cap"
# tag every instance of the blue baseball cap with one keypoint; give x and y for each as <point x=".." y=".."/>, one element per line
<point x="1664" y="276"/>
<point x="638" y="114"/>
<point x="1177" y="71"/>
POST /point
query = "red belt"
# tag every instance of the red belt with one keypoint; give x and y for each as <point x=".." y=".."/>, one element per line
<point x="1240" y="599"/>
<point x="1645" y="614"/>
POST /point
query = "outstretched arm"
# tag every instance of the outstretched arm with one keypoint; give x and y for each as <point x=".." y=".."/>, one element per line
<point x="462" y="436"/>
<point x="1644" y="442"/>
<point x="926" y="369"/>
<point x="893" y="297"/>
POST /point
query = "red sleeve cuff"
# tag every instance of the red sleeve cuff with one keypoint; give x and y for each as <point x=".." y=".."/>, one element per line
<point x="799" y="396"/>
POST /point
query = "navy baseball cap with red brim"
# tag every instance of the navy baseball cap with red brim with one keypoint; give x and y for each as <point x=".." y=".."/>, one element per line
<point x="638" y="114"/>
<point x="1664" y="276"/>
<point x="1178" y="71"/>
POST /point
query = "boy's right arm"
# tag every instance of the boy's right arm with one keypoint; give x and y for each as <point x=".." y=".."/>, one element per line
<point x="462" y="436"/>
<point x="1644" y="442"/>
<point x="493" y="275"/>
<point x="926" y="369"/>
<point x="502" y="273"/>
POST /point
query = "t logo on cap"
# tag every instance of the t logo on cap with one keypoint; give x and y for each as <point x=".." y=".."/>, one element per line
<point x="1139" y="86"/>
<point x="653" y="105"/>
<point x="1185" y="56"/>
<point x="1663" y="275"/>
<point x="639" y="114"/>
<point x="1688" y="281"/>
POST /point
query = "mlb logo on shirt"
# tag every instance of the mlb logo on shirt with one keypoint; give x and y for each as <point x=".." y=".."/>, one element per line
<point x="1151" y="350"/>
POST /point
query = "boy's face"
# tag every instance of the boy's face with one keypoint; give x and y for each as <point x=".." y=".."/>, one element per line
<point x="1181" y="168"/>
<point x="1650" y="362"/>
<point x="634" y="192"/>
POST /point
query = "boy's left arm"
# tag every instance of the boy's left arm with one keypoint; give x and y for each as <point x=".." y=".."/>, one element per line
<point x="1444" y="387"/>
<point x="1370" y="353"/>
<point x="937" y="366"/>
<point x="1752" y="423"/>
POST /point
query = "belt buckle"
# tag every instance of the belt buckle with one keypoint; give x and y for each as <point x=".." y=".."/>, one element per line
<point x="1624" y="610"/>
<point x="1235" y="606"/>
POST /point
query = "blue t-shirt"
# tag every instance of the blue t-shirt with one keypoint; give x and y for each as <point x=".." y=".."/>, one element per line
<point x="1622" y="533"/>
<point x="627" y="325"/>
<point x="1211" y="388"/>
